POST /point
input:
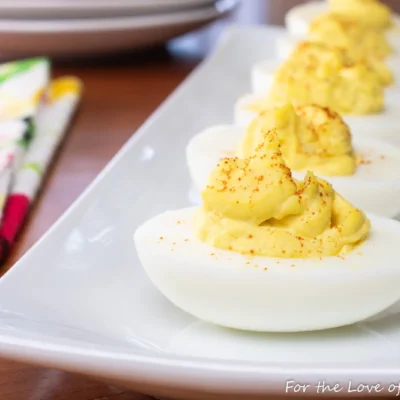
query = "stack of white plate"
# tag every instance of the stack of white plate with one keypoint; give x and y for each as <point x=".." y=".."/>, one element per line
<point x="73" y="27"/>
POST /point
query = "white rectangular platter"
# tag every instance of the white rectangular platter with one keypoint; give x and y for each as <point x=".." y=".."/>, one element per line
<point x="80" y="301"/>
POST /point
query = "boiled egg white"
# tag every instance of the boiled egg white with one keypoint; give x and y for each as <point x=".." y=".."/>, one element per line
<point x="382" y="126"/>
<point x="270" y="294"/>
<point x="375" y="187"/>
<point x="298" y="20"/>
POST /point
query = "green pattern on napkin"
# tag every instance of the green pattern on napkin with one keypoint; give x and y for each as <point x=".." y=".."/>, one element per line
<point x="29" y="134"/>
<point x="16" y="67"/>
<point x="33" y="167"/>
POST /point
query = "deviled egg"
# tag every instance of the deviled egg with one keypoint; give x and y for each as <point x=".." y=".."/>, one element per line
<point x="366" y="172"/>
<point x="263" y="72"/>
<point x="372" y="13"/>
<point x="267" y="253"/>
<point x="323" y="75"/>
<point x="380" y="126"/>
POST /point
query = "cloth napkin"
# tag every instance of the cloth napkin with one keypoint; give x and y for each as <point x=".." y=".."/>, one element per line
<point x="34" y="114"/>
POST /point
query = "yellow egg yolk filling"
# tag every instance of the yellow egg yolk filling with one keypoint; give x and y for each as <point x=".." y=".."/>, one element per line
<point x="323" y="75"/>
<point x="253" y="206"/>
<point x="361" y="43"/>
<point x="310" y="137"/>
<point x="370" y="12"/>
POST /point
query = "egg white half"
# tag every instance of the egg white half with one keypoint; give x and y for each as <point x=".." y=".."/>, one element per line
<point x="270" y="294"/>
<point x="383" y="126"/>
<point x="375" y="187"/>
<point x="298" y="20"/>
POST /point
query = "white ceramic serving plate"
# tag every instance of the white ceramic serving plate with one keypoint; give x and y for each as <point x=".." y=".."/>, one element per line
<point x="64" y="37"/>
<point x="31" y="9"/>
<point x="80" y="301"/>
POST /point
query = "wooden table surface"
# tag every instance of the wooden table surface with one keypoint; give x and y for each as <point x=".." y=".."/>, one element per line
<point x="120" y="93"/>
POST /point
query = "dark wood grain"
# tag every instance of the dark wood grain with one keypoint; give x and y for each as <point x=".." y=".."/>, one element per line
<point x="120" y="93"/>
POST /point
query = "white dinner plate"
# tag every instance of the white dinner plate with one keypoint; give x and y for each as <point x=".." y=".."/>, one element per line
<point x="85" y="36"/>
<point x="32" y="9"/>
<point x="80" y="301"/>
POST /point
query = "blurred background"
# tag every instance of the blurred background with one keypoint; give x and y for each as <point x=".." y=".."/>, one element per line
<point x="65" y="28"/>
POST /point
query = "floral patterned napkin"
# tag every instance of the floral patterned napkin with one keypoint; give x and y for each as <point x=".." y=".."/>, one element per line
<point x="34" y="114"/>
